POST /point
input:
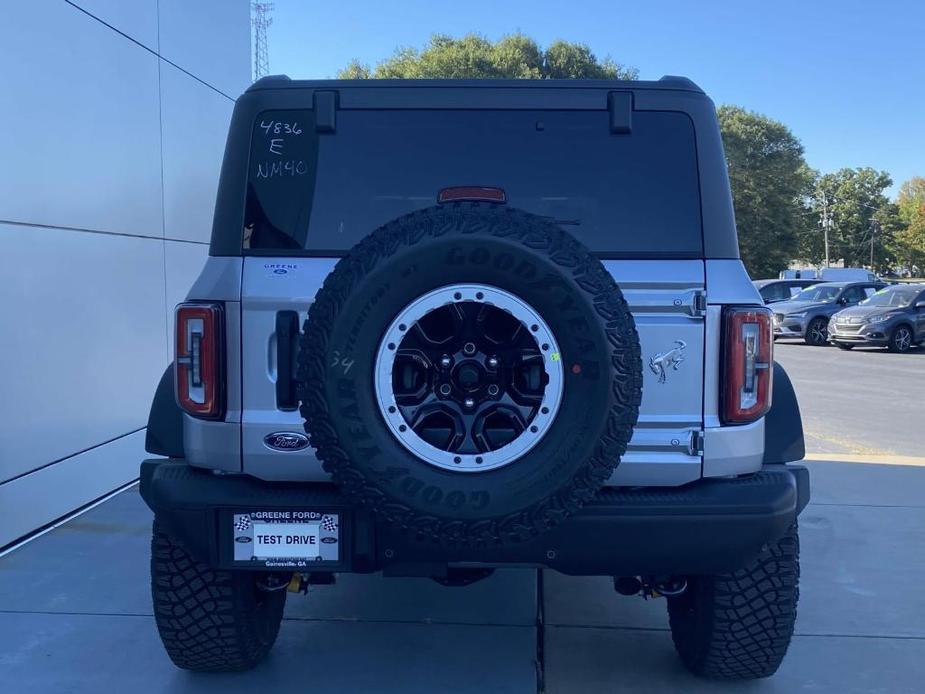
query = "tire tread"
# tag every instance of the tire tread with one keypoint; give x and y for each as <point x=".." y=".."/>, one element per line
<point x="739" y="625"/>
<point x="207" y="618"/>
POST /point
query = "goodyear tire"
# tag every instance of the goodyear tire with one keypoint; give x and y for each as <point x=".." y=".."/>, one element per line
<point x="210" y="620"/>
<point x="738" y="626"/>
<point x="497" y="274"/>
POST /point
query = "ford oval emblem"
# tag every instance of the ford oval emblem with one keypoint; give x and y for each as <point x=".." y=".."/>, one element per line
<point x="243" y="539"/>
<point x="329" y="540"/>
<point x="285" y="441"/>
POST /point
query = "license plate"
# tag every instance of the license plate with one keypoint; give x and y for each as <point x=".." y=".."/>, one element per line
<point x="290" y="538"/>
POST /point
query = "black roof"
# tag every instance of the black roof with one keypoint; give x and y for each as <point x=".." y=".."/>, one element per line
<point x="668" y="82"/>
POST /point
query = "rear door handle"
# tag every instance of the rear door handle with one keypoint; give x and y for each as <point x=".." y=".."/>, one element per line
<point x="287" y="335"/>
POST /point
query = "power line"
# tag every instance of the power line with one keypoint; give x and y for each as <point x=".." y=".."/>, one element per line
<point x="261" y="19"/>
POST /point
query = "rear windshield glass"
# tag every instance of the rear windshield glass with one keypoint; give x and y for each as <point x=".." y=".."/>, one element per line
<point x="631" y="194"/>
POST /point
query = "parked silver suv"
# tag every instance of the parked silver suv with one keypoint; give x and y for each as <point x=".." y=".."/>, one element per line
<point x="449" y="326"/>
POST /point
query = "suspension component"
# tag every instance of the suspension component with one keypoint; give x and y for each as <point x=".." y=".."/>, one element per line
<point x="650" y="586"/>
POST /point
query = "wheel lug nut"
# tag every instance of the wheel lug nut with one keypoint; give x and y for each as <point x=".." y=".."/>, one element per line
<point x="469" y="348"/>
<point x="469" y="402"/>
<point x="493" y="389"/>
<point x="445" y="361"/>
<point x="493" y="362"/>
<point x="445" y="389"/>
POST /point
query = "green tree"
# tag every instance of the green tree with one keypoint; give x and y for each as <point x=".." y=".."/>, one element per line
<point x="474" y="56"/>
<point x="770" y="181"/>
<point x="859" y="211"/>
<point x="910" y="238"/>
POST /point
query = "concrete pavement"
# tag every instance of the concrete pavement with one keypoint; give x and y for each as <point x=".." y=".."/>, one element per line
<point x="75" y="615"/>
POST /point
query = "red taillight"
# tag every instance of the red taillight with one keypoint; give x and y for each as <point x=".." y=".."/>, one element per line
<point x="748" y="355"/>
<point x="472" y="194"/>
<point x="198" y="365"/>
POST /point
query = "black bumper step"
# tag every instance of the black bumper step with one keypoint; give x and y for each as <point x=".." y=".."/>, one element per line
<point x="707" y="527"/>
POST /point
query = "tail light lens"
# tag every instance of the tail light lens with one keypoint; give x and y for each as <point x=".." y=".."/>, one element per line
<point x="199" y="360"/>
<point x="748" y="355"/>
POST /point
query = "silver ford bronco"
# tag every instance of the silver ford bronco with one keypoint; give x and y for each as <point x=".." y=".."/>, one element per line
<point x="452" y="326"/>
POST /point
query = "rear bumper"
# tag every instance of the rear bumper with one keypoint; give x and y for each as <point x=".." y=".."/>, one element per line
<point x="711" y="526"/>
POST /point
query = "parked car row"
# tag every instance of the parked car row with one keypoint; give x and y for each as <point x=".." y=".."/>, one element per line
<point x="851" y="313"/>
<point x="791" y="282"/>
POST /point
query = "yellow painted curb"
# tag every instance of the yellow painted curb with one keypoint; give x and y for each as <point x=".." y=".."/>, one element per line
<point x="918" y="461"/>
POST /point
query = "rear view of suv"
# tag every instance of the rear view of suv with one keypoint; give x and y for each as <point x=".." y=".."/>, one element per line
<point x="450" y="326"/>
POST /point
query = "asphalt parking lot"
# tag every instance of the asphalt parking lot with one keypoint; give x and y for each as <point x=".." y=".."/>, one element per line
<point x="75" y="614"/>
<point x="864" y="402"/>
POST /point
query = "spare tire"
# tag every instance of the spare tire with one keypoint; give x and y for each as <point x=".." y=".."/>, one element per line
<point x="471" y="373"/>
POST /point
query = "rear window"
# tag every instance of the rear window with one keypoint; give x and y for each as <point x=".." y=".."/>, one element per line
<point x="622" y="195"/>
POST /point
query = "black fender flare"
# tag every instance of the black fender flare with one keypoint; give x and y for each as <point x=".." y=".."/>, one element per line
<point x="783" y="426"/>
<point x="164" y="435"/>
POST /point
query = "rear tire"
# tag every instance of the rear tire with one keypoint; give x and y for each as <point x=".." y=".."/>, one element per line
<point x="210" y="620"/>
<point x="817" y="332"/>
<point x="901" y="339"/>
<point x="738" y="626"/>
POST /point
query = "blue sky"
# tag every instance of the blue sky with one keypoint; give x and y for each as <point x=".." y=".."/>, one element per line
<point x="847" y="77"/>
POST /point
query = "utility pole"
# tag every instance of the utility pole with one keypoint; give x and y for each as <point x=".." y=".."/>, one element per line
<point x="826" y="224"/>
<point x="874" y="228"/>
<point x="261" y="19"/>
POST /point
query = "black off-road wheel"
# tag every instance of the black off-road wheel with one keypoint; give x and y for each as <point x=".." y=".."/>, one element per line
<point x="901" y="339"/>
<point x="738" y="626"/>
<point x="210" y="620"/>
<point x="471" y="373"/>
<point x="817" y="332"/>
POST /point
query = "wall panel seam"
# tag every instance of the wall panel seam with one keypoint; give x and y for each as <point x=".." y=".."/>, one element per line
<point x="160" y="126"/>
<point x="71" y="455"/>
<point x="152" y="52"/>
<point x="14" y="222"/>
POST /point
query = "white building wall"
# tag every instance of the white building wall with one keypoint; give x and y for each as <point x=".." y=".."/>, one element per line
<point x="113" y="118"/>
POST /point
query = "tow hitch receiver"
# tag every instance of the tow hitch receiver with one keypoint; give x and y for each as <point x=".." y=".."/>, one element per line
<point x="650" y="586"/>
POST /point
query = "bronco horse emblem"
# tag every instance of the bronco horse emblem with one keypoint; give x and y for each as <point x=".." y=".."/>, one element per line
<point x="671" y="359"/>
